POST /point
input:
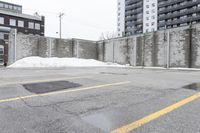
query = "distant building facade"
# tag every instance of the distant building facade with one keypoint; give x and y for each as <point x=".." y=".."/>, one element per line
<point x="11" y="16"/>
<point x="143" y="16"/>
<point x="120" y="18"/>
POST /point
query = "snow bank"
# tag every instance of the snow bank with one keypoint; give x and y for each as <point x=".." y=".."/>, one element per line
<point x="31" y="62"/>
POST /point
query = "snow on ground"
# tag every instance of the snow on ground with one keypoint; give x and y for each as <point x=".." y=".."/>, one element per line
<point x="39" y="62"/>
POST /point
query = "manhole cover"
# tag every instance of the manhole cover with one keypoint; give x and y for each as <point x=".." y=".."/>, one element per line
<point x="46" y="87"/>
<point x="193" y="86"/>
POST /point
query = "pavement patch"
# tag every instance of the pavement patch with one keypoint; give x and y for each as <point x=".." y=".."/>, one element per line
<point x="46" y="87"/>
<point x="193" y="86"/>
<point x="110" y="73"/>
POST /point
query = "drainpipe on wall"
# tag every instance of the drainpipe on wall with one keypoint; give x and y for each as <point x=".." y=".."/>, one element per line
<point x="143" y="50"/>
<point x="77" y="49"/>
<point x="113" y="52"/>
<point x="50" y="46"/>
<point x="15" y="47"/>
<point x="103" y="50"/>
<point x="127" y="52"/>
<point x="135" y="53"/>
<point x="190" y="47"/>
<point x="168" y="50"/>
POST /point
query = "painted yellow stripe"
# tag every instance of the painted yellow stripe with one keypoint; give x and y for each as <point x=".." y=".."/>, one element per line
<point x="147" y="119"/>
<point x="44" y="80"/>
<point x="62" y="92"/>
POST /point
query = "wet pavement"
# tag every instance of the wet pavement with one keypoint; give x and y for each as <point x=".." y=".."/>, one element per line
<point x="96" y="100"/>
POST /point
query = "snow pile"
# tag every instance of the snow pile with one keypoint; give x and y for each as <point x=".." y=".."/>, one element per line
<point x="31" y="62"/>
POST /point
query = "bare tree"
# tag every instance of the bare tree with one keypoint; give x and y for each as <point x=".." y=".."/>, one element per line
<point x="108" y="35"/>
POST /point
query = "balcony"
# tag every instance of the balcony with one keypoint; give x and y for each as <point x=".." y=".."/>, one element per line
<point x="168" y="3"/>
<point x="135" y="6"/>
<point x="133" y="12"/>
<point x="130" y="2"/>
<point x="179" y="7"/>
<point x="179" y="21"/>
<point x="133" y="18"/>
<point x="175" y="15"/>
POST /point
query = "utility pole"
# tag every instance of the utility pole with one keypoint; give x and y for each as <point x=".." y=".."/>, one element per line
<point x="60" y="16"/>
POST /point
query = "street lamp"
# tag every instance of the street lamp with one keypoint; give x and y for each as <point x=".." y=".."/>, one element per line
<point x="60" y="16"/>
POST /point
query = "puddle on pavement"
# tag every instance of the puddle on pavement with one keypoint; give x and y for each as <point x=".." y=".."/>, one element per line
<point x="46" y="87"/>
<point x="193" y="86"/>
<point x="100" y="121"/>
<point x="110" y="73"/>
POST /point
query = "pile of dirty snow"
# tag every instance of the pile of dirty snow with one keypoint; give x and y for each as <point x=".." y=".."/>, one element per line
<point x="39" y="62"/>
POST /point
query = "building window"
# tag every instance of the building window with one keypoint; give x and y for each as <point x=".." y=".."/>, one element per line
<point x="6" y="6"/>
<point x="30" y="25"/>
<point x="20" y="23"/>
<point x="37" y="26"/>
<point x="10" y="7"/>
<point x="19" y="8"/>
<point x="1" y="36"/>
<point x="15" y="7"/>
<point x="1" y="5"/>
<point x="12" y="22"/>
<point x="1" y="20"/>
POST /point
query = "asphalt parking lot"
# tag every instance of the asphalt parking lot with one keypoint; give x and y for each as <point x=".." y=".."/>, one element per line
<point x="99" y="100"/>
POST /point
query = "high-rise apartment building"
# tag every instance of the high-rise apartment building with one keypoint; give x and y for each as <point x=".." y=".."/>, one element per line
<point x="142" y="16"/>
<point x="176" y="13"/>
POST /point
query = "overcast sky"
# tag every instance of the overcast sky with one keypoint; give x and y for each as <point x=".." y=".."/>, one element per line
<point x="85" y="19"/>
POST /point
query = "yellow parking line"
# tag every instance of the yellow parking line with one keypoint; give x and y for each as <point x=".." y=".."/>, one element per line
<point x="65" y="91"/>
<point x="151" y="117"/>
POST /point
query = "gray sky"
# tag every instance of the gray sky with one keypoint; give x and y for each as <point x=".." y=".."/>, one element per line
<point x="85" y="19"/>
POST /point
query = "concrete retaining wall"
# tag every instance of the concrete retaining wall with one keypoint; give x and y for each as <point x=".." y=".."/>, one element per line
<point x="178" y="47"/>
<point x="29" y="45"/>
